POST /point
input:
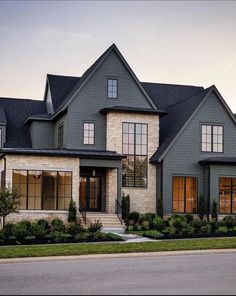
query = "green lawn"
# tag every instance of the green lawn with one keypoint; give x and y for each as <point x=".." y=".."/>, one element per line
<point x="108" y="248"/>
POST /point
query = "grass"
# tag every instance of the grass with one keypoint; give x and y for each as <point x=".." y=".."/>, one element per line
<point x="108" y="248"/>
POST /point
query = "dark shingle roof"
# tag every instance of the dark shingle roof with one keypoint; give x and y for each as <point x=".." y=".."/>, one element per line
<point x="165" y="95"/>
<point x="60" y="87"/>
<point x="2" y="115"/>
<point x="133" y="109"/>
<point x="220" y="160"/>
<point x="94" y="154"/>
<point x="16" y="111"/>
<point x="178" y="115"/>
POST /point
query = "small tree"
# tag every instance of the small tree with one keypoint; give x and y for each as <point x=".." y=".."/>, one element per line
<point x="202" y="208"/>
<point x="72" y="212"/>
<point x="125" y="204"/>
<point x="9" y="202"/>
<point x="214" y="212"/>
<point x="160" y="207"/>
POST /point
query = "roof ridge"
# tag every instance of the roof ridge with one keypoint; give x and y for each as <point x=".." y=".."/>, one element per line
<point x="173" y="84"/>
<point x="21" y="99"/>
<point x="59" y="75"/>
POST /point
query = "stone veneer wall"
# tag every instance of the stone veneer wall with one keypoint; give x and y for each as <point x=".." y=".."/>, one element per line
<point x="141" y="199"/>
<point x="111" y="191"/>
<point x="24" y="162"/>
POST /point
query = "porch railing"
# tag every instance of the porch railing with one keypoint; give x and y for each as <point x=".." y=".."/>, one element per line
<point x="82" y="210"/>
<point x="119" y="210"/>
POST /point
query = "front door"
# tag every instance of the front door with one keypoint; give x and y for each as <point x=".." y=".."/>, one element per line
<point x="90" y="193"/>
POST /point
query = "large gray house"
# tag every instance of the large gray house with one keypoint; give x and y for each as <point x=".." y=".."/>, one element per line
<point x="93" y="138"/>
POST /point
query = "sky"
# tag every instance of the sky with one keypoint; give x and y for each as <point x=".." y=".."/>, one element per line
<point x="177" y="42"/>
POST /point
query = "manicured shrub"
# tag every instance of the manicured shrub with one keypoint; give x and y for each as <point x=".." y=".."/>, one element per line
<point x="95" y="226"/>
<point x="214" y="225"/>
<point x="197" y="225"/>
<point x="145" y="225"/>
<point x="21" y="230"/>
<point x="73" y="228"/>
<point x="222" y="230"/>
<point x="72" y="212"/>
<point x="229" y="222"/>
<point x="206" y="230"/>
<point x="125" y="205"/>
<point x="1" y="235"/>
<point x="57" y="225"/>
<point x="178" y="221"/>
<point x="8" y="230"/>
<point x="83" y="237"/>
<point x="38" y="230"/>
<point x="188" y="231"/>
<point x="169" y="231"/>
<point x="158" y="223"/>
<point x="133" y="216"/>
<point x="214" y="212"/>
<point x="130" y="228"/>
<point x="138" y="227"/>
<point x="202" y="207"/>
<point x="44" y="223"/>
<point x="113" y="237"/>
<point x="153" y="234"/>
<point x="148" y="217"/>
<point x="189" y="218"/>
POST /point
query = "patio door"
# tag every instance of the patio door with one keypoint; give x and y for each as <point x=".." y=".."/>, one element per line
<point x="90" y="193"/>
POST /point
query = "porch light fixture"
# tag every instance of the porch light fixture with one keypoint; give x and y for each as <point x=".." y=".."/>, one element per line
<point x="94" y="173"/>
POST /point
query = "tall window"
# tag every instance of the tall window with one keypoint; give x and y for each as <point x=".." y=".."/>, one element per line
<point x="43" y="190"/>
<point x="135" y="148"/>
<point x="60" y="136"/>
<point x="184" y="195"/>
<point x="228" y="195"/>
<point x="112" y="88"/>
<point x="88" y="133"/>
<point x="212" y="138"/>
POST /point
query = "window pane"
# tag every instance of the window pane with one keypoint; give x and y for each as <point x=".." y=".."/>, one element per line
<point x="178" y="194"/>
<point x="34" y="190"/>
<point x="49" y="194"/>
<point x="225" y="195"/>
<point x="64" y="190"/>
<point x="20" y="184"/>
<point x="89" y="133"/>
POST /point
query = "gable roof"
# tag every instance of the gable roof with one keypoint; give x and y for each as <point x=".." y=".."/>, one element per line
<point x="179" y="115"/>
<point x="16" y="111"/>
<point x="88" y="73"/>
<point x="172" y="124"/>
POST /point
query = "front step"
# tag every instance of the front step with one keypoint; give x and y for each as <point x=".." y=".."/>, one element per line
<point x="109" y="221"/>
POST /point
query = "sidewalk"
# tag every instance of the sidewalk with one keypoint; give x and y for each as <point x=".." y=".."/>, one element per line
<point x="114" y="256"/>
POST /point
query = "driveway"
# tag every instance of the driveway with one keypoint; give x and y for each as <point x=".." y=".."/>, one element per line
<point x="178" y="274"/>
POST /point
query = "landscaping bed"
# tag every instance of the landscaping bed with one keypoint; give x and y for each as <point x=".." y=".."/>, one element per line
<point x="179" y="226"/>
<point x="43" y="232"/>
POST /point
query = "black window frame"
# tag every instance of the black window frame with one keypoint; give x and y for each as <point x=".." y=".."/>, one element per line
<point x="60" y="135"/>
<point x="42" y="175"/>
<point x="113" y="79"/>
<point x="135" y="156"/>
<point x="88" y="122"/>
<point x="185" y="207"/>
<point x="212" y="138"/>
<point x="231" y="196"/>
